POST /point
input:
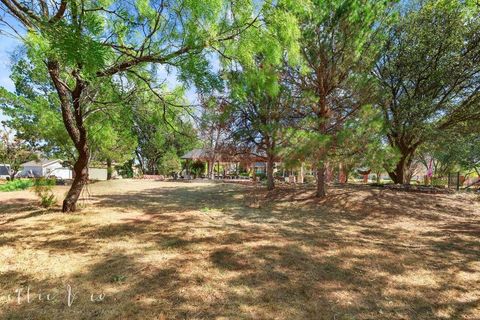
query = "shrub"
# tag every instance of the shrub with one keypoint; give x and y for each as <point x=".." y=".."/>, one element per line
<point x="126" y="170"/>
<point x="170" y="163"/>
<point x="43" y="189"/>
<point x="19" y="184"/>
<point x="309" y="178"/>
<point x="261" y="176"/>
<point x="197" y="168"/>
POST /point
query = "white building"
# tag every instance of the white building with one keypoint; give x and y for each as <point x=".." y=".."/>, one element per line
<point x="45" y="168"/>
<point x="53" y="168"/>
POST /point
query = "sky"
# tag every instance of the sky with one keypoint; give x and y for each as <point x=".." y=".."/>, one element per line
<point x="7" y="46"/>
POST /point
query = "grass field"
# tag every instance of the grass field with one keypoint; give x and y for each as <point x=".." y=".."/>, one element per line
<point x="165" y="250"/>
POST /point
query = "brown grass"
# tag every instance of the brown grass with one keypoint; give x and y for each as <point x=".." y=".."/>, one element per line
<point x="164" y="250"/>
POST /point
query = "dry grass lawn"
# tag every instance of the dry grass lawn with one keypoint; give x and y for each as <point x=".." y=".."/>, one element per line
<point x="166" y="250"/>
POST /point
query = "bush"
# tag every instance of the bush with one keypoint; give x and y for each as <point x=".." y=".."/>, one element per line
<point x="170" y="163"/>
<point x="43" y="189"/>
<point x="197" y="168"/>
<point x="14" y="185"/>
<point x="439" y="181"/>
<point x="261" y="176"/>
<point x="125" y="170"/>
<point x="309" y="178"/>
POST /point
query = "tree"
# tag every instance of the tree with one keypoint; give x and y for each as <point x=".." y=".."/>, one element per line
<point x="14" y="151"/>
<point x="361" y="144"/>
<point x="214" y="129"/>
<point x="261" y="109"/>
<point x="260" y="98"/>
<point x="170" y="163"/>
<point x="33" y="114"/>
<point x="429" y="72"/>
<point x="456" y="149"/>
<point x="159" y="129"/>
<point x="84" y="44"/>
<point x="338" y="44"/>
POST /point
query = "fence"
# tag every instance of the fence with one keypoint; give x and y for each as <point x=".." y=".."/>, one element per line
<point x="454" y="181"/>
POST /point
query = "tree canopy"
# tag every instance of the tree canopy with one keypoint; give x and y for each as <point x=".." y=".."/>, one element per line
<point x="337" y="84"/>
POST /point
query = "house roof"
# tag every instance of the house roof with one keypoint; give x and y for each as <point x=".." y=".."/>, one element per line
<point x="40" y="162"/>
<point x="224" y="154"/>
<point x="196" y="154"/>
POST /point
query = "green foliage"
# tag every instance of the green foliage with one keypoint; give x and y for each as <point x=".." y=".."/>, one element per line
<point x="88" y="47"/>
<point x="428" y="74"/>
<point x="126" y="170"/>
<point x="197" y="168"/>
<point x="170" y="163"/>
<point x="361" y="143"/>
<point x="340" y="41"/>
<point x="356" y="83"/>
<point x="18" y="184"/>
<point x="160" y="130"/>
<point x="261" y="176"/>
<point x="453" y="150"/>
<point x="43" y="189"/>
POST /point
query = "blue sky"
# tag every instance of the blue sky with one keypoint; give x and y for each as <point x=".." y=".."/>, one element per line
<point x="7" y="46"/>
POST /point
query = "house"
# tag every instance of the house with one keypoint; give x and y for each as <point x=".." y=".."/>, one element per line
<point x="45" y="168"/>
<point x="225" y="162"/>
<point x="4" y="171"/>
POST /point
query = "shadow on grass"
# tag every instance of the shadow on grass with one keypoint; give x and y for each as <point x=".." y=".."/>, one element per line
<point x="209" y="255"/>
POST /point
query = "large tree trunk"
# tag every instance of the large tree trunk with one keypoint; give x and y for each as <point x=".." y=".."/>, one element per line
<point x="109" y="169"/>
<point x="400" y="174"/>
<point x="321" y="189"/>
<point x="323" y="116"/>
<point x="72" y="115"/>
<point x="211" y="168"/>
<point x="80" y="170"/>
<point x="270" y="178"/>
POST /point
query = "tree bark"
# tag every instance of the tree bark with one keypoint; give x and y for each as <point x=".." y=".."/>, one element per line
<point x="321" y="190"/>
<point x="109" y="169"/>
<point x="72" y="115"/>
<point x="80" y="170"/>
<point x="270" y="178"/>
<point x="400" y="175"/>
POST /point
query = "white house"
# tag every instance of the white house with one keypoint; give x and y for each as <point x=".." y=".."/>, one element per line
<point x="45" y="168"/>
<point x="53" y="168"/>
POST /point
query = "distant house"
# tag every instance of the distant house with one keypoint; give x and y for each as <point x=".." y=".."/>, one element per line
<point x="4" y="171"/>
<point x="45" y="168"/>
